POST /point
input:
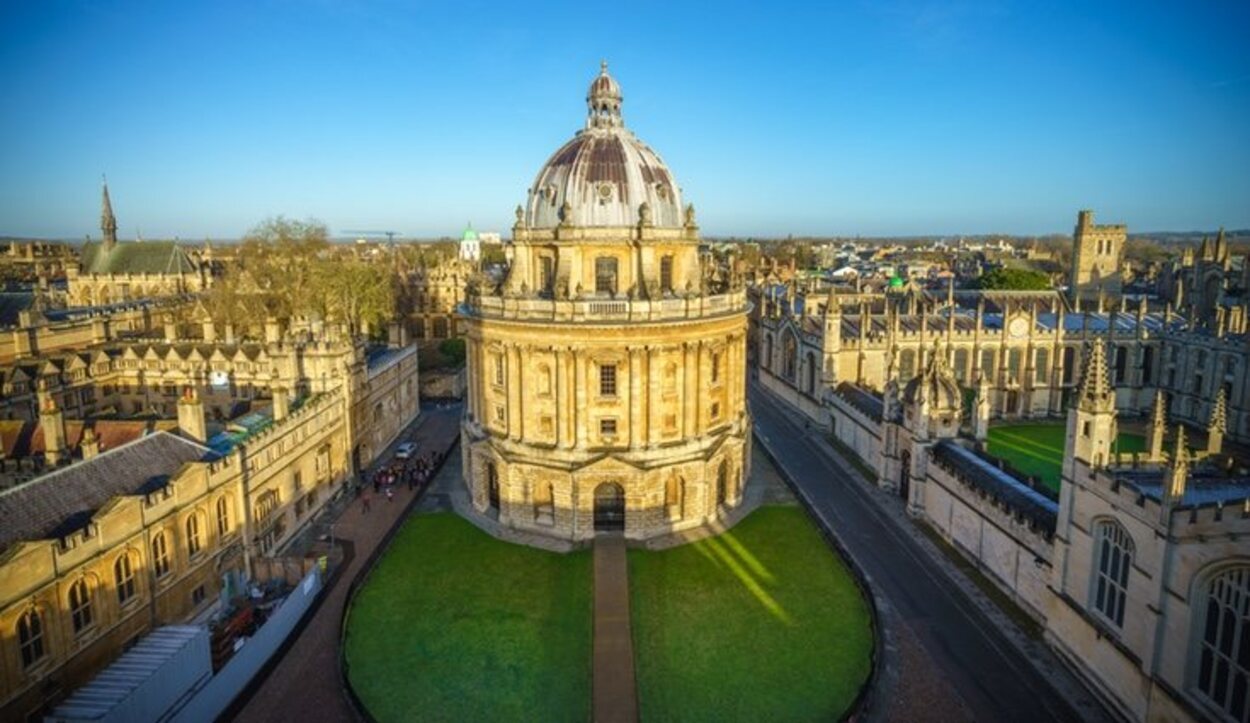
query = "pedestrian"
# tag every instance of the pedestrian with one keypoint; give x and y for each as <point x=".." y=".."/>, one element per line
<point x="364" y="504"/>
<point x="390" y="493"/>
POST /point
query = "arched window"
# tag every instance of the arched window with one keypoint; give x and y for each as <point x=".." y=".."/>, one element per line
<point x="670" y="377"/>
<point x="194" y="542"/>
<point x="80" y="605"/>
<point x="160" y="554"/>
<point x="790" y="356"/>
<point x="1113" y="556"/>
<point x="961" y="365"/>
<point x="223" y="516"/>
<point x="811" y="373"/>
<point x="124" y="578"/>
<point x="768" y="351"/>
<point x="722" y="482"/>
<point x="1221" y="672"/>
<point x="30" y="637"/>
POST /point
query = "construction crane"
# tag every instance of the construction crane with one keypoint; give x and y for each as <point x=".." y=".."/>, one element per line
<point x="390" y="235"/>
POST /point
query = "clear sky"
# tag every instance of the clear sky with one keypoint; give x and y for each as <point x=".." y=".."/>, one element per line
<point x="873" y="117"/>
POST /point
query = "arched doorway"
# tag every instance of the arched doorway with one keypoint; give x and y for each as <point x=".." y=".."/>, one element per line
<point x="609" y="507"/>
<point x="904" y="475"/>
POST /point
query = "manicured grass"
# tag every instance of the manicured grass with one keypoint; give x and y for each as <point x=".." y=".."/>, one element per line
<point x="1037" y="449"/>
<point x="761" y="623"/>
<point x="454" y="625"/>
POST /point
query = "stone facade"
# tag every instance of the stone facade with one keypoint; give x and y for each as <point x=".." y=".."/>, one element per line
<point x="606" y="370"/>
<point x="1139" y="572"/>
<point x="1097" y="258"/>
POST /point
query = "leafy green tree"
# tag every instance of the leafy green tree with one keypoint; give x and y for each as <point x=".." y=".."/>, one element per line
<point x="1014" y="280"/>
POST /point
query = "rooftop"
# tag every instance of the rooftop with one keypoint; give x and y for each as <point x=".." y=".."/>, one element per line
<point x="37" y="509"/>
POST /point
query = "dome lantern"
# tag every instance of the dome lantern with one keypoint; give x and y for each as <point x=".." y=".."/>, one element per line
<point x="603" y="100"/>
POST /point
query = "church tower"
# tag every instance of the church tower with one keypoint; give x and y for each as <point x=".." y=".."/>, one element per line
<point x="108" y="223"/>
<point x="1097" y="251"/>
<point x="1091" y="423"/>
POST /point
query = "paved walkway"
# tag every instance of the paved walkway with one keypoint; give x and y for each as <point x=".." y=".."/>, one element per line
<point x="950" y="654"/>
<point x="615" y="695"/>
<point x="305" y="685"/>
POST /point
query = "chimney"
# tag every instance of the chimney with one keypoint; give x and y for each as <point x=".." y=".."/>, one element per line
<point x="52" y="421"/>
<point x="229" y="333"/>
<point x="90" y="445"/>
<point x="191" y="416"/>
<point x="171" y="329"/>
<point x="281" y="403"/>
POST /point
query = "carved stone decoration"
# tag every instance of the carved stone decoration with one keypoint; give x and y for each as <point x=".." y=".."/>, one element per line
<point x="644" y="214"/>
<point x="690" y="216"/>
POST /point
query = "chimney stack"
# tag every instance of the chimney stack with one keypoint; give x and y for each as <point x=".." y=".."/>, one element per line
<point x="191" y="416"/>
<point x="52" y="421"/>
<point x="281" y="403"/>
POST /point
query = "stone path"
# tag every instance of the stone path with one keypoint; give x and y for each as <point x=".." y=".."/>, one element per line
<point x="305" y="684"/>
<point x="615" y="694"/>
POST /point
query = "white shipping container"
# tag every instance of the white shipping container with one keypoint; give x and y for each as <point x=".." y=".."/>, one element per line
<point x="147" y="684"/>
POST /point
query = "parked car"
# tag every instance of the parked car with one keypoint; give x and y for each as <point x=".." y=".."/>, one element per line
<point x="405" y="450"/>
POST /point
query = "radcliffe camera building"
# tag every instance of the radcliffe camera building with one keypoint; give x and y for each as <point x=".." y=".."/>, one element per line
<point x="607" y="367"/>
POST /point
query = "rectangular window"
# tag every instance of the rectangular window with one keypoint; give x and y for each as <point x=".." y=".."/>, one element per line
<point x="1040" y="363"/>
<point x="605" y="275"/>
<point x="715" y="367"/>
<point x="607" y="427"/>
<point x="666" y="273"/>
<point x="499" y="370"/>
<point x="607" y="380"/>
<point x="715" y="410"/>
<point x="1121" y="363"/>
<point x="197" y="595"/>
<point x="297" y="481"/>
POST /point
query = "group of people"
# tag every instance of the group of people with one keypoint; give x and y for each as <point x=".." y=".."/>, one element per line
<point x="414" y="472"/>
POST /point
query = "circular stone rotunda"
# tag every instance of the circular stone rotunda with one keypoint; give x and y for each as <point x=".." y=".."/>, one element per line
<point x="607" y="368"/>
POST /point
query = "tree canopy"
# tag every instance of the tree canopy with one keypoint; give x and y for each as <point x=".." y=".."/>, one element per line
<point x="1014" y="279"/>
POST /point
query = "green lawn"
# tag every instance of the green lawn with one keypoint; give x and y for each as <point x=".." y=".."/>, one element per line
<point x="1037" y="449"/>
<point x="761" y="623"/>
<point x="454" y="625"/>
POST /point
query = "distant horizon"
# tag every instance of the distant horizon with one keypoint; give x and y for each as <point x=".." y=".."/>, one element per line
<point x="909" y="118"/>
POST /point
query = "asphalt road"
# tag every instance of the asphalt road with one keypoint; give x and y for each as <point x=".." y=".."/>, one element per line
<point x="991" y="677"/>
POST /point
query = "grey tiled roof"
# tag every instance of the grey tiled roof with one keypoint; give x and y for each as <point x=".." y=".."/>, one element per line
<point x="861" y="399"/>
<point x="1039" y="509"/>
<point x="34" y="510"/>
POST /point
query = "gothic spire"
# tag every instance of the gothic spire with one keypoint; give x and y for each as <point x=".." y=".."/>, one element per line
<point x="1176" y="477"/>
<point x="1097" y="394"/>
<point x="1158" y="426"/>
<point x="108" y="223"/>
<point x="1218" y="426"/>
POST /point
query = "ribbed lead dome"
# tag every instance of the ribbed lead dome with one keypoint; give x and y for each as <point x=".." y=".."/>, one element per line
<point x="604" y="175"/>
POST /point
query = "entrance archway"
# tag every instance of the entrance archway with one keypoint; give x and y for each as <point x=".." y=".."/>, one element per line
<point x="609" y="507"/>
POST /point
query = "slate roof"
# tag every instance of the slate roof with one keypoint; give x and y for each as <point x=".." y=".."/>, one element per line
<point x="36" y="509"/>
<point x="1204" y="486"/>
<point x="999" y="485"/>
<point x="13" y="303"/>
<point x="146" y="257"/>
<point x="861" y="399"/>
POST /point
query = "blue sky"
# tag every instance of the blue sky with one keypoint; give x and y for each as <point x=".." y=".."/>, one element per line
<point x="871" y="118"/>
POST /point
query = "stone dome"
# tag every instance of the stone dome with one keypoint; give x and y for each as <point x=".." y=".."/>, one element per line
<point x="937" y="383"/>
<point x="604" y="175"/>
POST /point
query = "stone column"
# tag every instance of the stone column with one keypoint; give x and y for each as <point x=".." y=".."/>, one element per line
<point x="513" y="379"/>
<point x="689" y="377"/>
<point x="581" y="397"/>
<point x="637" y="425"/>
